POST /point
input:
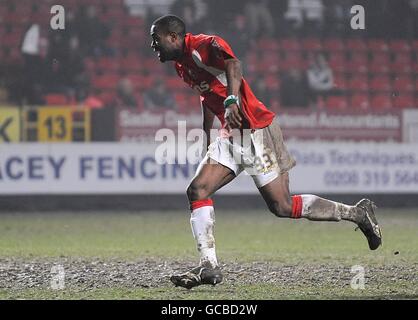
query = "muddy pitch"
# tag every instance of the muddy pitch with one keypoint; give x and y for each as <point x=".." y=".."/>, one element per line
<point x="21" y="274"/>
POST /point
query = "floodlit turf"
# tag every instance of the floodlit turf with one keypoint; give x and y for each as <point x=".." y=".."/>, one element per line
<point x="130" y="256"/>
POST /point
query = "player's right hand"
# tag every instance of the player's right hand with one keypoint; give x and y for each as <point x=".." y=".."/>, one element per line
<point x="232" y="116"/>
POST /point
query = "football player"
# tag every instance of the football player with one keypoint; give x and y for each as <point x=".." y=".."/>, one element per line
<point x="207" y="64"/>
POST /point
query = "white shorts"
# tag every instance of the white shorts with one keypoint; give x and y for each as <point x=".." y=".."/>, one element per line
<point x="261" y="154"/>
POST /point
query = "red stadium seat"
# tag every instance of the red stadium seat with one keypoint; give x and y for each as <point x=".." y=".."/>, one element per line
<point x="39" y="17"/>
<point x="403" y="84"/>
<point x="336" y="102"/>
<point x="135" y="34"/>
<point x="381" y="101"/>
<point x="402" y="63"/>
<point x="106" y="82"/>
<point x="268" y="44"/>
<point x="174" y="83"/>
<point x="131" y="65"/>
<point x="107" y="97"/>
<point x="337" y="62"/>
<point x="141" y="82"/>
<point x="402" y="57"/>
<point x="114" y="42"/>
<point x="14" y="18"/>
<point x="292" y="60"/>
<point x="290" y="45"/>
<point x="381" y="57"/>
<point x="194" y="103"/>
<point x="358" y="83"/>
<point x="153" y="66"/>
<point x="378" y="45"/>
<point x="54" y="99"/>
<point x="399" y="46"/>
<point x="24" y="8"/>
<point x="401" y="67"/>
<point x="403" y="101"/>
<point x="380" y="83"/>
<point x="108" y="65"/>
<point x="334" y="45"/>
<point x="340" y="82"/>
<point x="134" y="22"/>
<point x="182" y="100"/>
<point x="116" y="16"/>
<point x="380" y="63"/>
<point x="251" y="61"/>
<point x="188" y="103"/>
<point x="11" y="39"/>
<point x="272" y="82"/>
<point x="269" y="62"/>
<point x="356" y="45"/>
<point x="360" y="101"/>
<point x="128" y="43"/>
<point x="311" y="44"/>
<point x="358" y="63"/>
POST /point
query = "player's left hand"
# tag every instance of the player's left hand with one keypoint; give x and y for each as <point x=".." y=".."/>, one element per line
<point x="232" y="116"/>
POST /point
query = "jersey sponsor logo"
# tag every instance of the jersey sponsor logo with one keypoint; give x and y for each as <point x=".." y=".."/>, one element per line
<point x="202" y="87"/>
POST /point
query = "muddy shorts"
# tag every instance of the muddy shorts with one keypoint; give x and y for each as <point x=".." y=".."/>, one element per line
<point x="260" y="153"/>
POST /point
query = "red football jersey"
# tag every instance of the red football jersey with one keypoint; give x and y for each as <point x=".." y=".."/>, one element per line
<point x="203" y="68"/>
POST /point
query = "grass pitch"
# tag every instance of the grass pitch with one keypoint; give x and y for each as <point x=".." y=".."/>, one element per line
<point x="131" y="256"/>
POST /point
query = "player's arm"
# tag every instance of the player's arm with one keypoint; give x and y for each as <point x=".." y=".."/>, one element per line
<point x="208" y="118"/>
<point x="233" y="78"/>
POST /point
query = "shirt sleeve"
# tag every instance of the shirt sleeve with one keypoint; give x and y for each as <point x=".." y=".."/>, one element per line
<point x="217" y="50"/>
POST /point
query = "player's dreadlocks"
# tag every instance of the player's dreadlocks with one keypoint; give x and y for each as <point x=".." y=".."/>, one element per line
<point x="171" y="23"/>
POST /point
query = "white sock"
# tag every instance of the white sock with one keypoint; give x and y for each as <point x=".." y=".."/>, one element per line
<point x="320" y="209"/>
<point x="202" y="222"/>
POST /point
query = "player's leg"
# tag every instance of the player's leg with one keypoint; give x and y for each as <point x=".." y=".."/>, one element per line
<point x="274" y="187"/>
<point x="278" y="199"/>
<point x="210" y="177"/>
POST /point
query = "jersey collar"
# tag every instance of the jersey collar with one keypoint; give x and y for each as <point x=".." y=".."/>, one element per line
<point x="187" y="44"/>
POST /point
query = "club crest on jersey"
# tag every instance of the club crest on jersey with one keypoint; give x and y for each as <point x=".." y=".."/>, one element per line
<point x="218" y="48"/>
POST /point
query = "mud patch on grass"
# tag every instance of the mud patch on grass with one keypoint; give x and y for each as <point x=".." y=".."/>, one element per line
<point x="18" y="275"/>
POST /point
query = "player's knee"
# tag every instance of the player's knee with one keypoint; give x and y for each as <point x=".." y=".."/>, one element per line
<point x="281" y="210"/>
<point x="197" y="191"/>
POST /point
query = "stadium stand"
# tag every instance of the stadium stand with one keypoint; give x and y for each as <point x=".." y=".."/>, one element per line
<point x="388" y="67"/>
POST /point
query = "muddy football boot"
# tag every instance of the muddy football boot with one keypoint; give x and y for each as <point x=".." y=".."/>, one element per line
<point x="197" y="276"/>
<point x="368" y="223"/>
